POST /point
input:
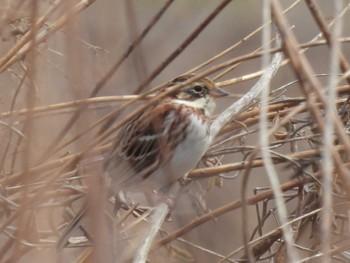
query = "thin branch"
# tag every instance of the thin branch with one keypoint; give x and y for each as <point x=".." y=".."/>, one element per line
<point x="185" y="43"/>
<point x="158" y="217"/>
<point x="311" y="86"/>
<point x="23" y="47"/>
<point x="264" y="142"/>
<point x="248" y="98"/>
<point x="336" y="57"/>
<point x="228" y="208"/>
<point x="319" y="18"/>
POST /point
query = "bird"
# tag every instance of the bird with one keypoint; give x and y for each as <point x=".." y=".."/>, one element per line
<point x="163" y="143"/>
<point x="160" y="145"/>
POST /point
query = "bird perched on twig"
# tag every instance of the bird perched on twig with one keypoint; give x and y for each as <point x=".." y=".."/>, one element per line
<point x="166" y="141"/>
<point x="162" y="144"/>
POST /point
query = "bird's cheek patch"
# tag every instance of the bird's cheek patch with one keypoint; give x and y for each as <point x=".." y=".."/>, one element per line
<point x="182" y="96"/>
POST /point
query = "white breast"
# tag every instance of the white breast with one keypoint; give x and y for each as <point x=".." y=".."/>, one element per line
<point x="186" y="155"/>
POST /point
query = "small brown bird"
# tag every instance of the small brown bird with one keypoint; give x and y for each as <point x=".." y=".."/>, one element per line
<point x="165" y="142"/>
<point x="162" y="144"/>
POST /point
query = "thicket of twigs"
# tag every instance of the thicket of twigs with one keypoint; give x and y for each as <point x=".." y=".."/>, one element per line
<point x="274" y="184"/>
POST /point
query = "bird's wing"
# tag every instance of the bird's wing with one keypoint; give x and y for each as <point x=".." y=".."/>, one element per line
<point x="146" y="143"/>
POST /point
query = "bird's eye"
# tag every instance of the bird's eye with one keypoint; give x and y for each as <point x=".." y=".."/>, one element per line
<point x="198" y="89"/>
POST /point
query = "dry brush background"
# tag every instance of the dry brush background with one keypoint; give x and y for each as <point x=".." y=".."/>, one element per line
<point x="71" y="72"/>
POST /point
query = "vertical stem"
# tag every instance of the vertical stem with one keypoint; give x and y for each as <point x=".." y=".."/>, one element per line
<point x="328" y="136"/>
<point x="264" y="141"/>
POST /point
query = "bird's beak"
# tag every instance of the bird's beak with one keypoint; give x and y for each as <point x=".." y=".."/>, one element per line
<point x="217" y="92"/>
